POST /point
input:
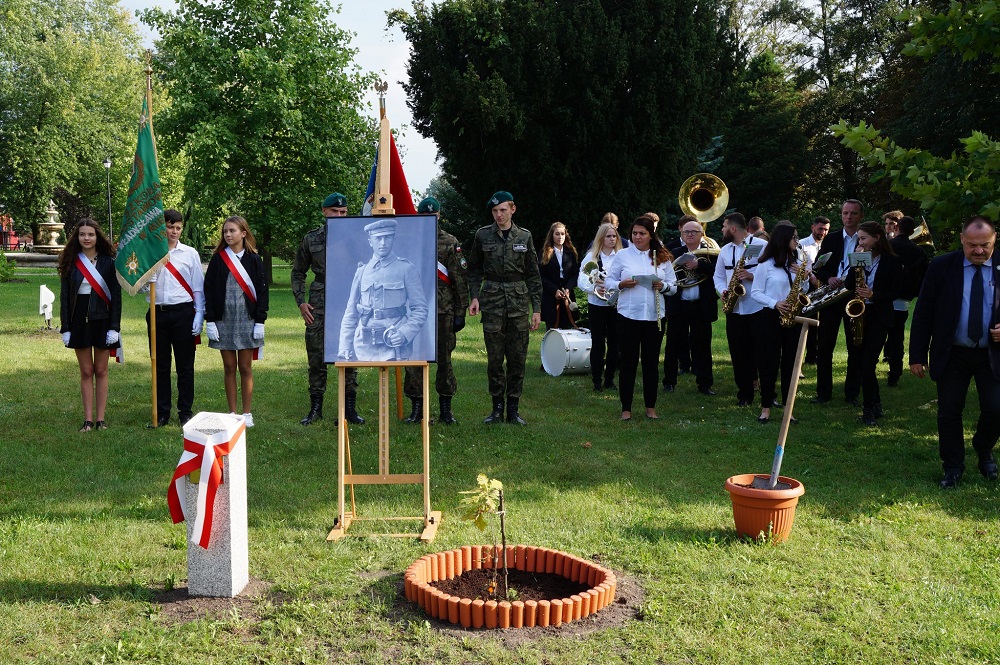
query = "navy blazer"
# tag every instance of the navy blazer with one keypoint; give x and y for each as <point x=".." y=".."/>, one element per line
<point x="938" y="310"/>
<point x="551" y="282"/>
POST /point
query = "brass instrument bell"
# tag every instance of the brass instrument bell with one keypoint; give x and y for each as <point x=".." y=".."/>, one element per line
<point x="705" y="197"/>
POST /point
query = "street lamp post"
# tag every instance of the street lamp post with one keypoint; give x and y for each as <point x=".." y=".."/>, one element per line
<point x="111" y="230"/>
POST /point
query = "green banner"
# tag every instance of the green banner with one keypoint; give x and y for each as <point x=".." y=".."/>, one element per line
<point x="142" y="241"/>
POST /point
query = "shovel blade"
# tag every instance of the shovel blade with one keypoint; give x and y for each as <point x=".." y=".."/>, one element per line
<point x="764" y="483"/>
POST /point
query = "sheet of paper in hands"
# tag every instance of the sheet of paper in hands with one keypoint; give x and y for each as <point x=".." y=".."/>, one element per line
<point x="821" y="260"/>
<point x="647" y="280"/>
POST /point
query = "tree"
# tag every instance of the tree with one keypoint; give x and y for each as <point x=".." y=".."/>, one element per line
<point x="458" y="217"/>
<point x="265" y="106"/>
<point x="69" y="82"/>
<point x="576" y="107"/>
<point x="764" y="149"/>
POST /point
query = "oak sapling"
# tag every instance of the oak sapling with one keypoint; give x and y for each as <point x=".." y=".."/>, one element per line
<point x="484" y="501"/>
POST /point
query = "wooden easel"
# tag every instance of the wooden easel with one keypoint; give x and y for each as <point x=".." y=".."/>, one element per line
<point x="430" y="518"/>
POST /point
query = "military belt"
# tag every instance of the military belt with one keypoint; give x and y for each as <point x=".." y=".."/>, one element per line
<point x="505" y="279"/>
<point x="388" y="313"/>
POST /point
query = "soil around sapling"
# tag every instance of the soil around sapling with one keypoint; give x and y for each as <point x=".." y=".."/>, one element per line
<point x="473" y="584"/>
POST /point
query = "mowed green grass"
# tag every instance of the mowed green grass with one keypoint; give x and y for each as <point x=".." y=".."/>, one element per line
<point x="881" y="566"/>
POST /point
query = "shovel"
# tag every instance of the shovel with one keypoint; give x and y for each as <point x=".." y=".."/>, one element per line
<point x="786" y="418"/>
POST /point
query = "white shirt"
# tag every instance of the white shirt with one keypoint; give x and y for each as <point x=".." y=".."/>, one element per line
<point x="557" y="253"/>
<point x="771" y="283"/>
<point x="640" y="303"/>
<point x="729" y="257"/>
<point x="850" y="245"/>
<point x="811" y="247"/>
<point x="169" y="291"/>
<point x="584" y="279"/>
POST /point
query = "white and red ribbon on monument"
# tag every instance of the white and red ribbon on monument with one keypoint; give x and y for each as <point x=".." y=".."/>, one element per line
<point x="204" y="456"/>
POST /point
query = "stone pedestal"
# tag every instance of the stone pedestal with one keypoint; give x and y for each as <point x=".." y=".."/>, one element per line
<point x="222" y="570"/>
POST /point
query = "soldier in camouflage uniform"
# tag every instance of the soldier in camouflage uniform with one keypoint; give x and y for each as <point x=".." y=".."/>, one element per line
<point x="503" y="270"/>
<point x="312" y="255"/>
<point x="452" y="301"/>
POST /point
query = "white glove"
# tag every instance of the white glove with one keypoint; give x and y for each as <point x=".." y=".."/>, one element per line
<point x="212" y="331"/>
<point x="258" y="331"/>
<point x="65" y="337"/>
<point x="112" y="337"/>
<point x="199" y="319"/>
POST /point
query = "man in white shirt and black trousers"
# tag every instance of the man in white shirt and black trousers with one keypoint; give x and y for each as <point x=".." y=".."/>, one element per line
<point x="180" y="312"/>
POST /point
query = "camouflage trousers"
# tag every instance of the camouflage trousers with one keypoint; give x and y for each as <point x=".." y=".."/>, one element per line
<point x="315" y="354"/>
<point x="445" y="383"/>
<point x="506" y="339"/>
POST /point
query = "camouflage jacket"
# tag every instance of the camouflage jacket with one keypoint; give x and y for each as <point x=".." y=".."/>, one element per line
<point x="503" y="273"/>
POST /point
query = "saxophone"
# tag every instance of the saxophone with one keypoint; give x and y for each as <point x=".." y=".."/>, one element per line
<point x="735" y="290"/>
<point x="855" y="310"/>
<point x="796" y="299"/>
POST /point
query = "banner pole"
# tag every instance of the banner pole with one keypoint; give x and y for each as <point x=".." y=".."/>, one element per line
<point x="152" y="347"/>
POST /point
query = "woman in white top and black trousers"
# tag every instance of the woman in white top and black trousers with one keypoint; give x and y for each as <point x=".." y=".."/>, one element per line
<point x="603" y="318"/>
<point x="777" y="268"/>
<point x="640" y="309"/>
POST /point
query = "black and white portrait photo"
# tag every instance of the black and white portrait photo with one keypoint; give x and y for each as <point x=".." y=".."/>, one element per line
<point x="380" y="290"/>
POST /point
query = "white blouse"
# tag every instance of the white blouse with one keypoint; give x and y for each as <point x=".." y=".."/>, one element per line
<point x="771" y="283"/>
<point x="640" y="303"/>
<point x="584" y="279"/>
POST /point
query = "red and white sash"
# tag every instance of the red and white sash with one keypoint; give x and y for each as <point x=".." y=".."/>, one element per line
<point x="206" y="457"/>
<point x="100" y="287"/>
<point x="184" y="285"/>
<point x="242" y="278"/>
<point x="443" y="274"/>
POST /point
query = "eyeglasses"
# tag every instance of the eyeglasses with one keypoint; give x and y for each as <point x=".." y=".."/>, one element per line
<point x="691" y="233"/>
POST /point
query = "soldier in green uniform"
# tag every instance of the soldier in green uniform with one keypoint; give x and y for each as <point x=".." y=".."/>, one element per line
<point x="452" y="301"/>
<point x="503" y="274"/>
<point x="312" y="255"/>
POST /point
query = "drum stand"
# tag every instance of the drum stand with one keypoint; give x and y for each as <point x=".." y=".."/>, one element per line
<point x="431" y="519"/>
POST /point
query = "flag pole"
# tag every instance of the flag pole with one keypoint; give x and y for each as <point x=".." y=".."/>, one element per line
<point x="152" y="285"/>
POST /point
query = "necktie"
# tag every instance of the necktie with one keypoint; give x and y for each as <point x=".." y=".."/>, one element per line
<point x="975" y="328"/>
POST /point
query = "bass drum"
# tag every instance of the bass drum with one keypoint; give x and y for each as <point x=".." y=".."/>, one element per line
<point x="566" y="351"/>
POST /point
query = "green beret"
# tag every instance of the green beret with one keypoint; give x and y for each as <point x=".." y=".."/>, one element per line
<point x="382" y="227"/>
<point x="498" y="198"/>
<point x="429" y="205"/>
<point x="335" y="200"/>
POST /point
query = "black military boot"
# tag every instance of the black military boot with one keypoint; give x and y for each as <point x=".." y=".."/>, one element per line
<point x="315" y="410"/>
<point x="512" y="415"/>
<point x="351" y="409"/>
<point x="497" y="415"/>
<point x="447" y="417"/>
<point x="417" y="414"/>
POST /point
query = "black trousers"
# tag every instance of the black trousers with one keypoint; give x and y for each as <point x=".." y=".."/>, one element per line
<point x="894" y="344"/>
<point x="173" y="334"/>
<point x="963" y="366"/>
<point x="639" y="338"/>
<point x="871" y="351"/>
<point x="688" y="329"/>
<point x="603" y="344"/>
<point x="830" y="320"/>
<point x="778" y="358"/>
<point x="745" y="348"/>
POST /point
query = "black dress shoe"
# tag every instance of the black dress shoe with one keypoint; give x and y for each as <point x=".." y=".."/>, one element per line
<point x="877" y="410"/>
<point x="184" y="418"/>
<point x="598" y="388"/>
<point x="162" y="421"/>
<point x="868" y="418"/>
<point x="706" y="391"/>
<point x="776" y="404"/>
<point x="668" y="389"/>
<point x="819" y="400"/>
<point x="893" y="382"/>
<point x="950" y="480"/>
<point x="743" y="402"/>
<point x="988" y="468"/>
<point x="853" y="401"/>
<point x="610" y="385"/>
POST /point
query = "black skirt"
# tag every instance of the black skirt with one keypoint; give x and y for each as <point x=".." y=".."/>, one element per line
<point x="83" y="333"/>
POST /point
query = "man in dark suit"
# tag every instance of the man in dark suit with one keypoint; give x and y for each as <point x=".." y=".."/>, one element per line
<point x="690" y="314"/>
<point x="839" y="245"/>
<point x="956" y="318"/>
<point x="914" y="260"/>
<point x="682" y="359"/>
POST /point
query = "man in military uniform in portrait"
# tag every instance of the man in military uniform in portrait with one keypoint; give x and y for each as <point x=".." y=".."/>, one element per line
<point x="452" y="301"/>
<point x="506" y="286"/>
<point x="386" y="308"/>
<point x="312" y="255"/>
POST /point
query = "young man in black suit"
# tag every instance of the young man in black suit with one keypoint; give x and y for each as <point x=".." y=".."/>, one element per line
<point x="956" y="319"/>
<point x="915" y="261"/>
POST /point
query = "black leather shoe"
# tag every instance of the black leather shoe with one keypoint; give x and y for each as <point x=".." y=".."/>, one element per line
<point x="852" y="402"/>
<point x="598" y="388"/>
<point x="706" y="391"/>
<point x="988" y="468"/>
<point x="185" y="417"/>
<point x="893" y="382"/>
<point x="668" y="389"/>
<point x="819" y="400"/>
<point x="868" y="418"/>
<point x="162" y="421"/>
<point x="742" y="402"/>
<point x="610" y="385"/>
<point x="877" y="410"/>
<point x="950" y="480"/>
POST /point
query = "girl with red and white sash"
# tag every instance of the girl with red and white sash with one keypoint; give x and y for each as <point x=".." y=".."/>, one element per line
<point x="90" y="311"/>
<point x="236" y="308"/>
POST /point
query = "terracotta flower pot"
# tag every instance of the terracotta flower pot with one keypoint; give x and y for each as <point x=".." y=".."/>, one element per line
<point x="763" y="511"/>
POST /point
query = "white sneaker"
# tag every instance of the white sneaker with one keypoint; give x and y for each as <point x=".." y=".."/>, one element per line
<point x="249" y="418"/>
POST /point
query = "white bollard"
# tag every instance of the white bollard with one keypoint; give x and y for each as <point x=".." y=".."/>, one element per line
<point x="223" y="569"/>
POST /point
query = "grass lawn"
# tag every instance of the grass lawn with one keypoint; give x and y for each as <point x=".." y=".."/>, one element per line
<point x="881" y="566"/>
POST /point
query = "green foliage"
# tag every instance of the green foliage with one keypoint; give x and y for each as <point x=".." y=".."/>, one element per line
<point x="6" y="269"/>
<point x="577" y="108"/>
<point x="458" y="217"/>
<point x="69" y="87"/>
<point x="950" y="190"/>
<point x="970" y="30"/>
<point x="482" y="501"/>
<point x="266" y="108"/>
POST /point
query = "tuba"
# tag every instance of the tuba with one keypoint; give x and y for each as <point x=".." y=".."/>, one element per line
<point x="922" y="235"/>
<point x="704" y="196"/>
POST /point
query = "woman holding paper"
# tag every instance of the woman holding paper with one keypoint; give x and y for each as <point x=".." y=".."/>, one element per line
<point x="90" y="310"/>
<point x="236" y="307"/>
<point x="643" y="273"/>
